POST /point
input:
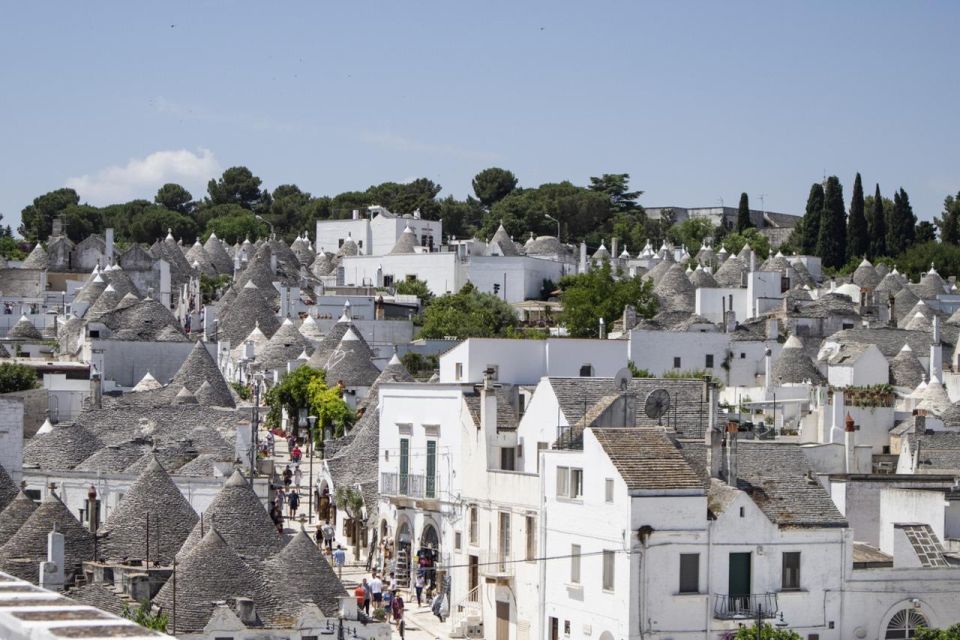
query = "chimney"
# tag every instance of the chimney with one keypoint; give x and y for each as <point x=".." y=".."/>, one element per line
<point x="732" y="453"/>
<point x="488" y="403"/>
<point x="629" y="317"/>
<point x="246" y="611"/>
<point x="936" y="330"/>
<point x="836" y="416"/>
<point x="920" y="422"/>
<point x="773" y="329"/>
<point x="51" y="571"/>
<point x="583" y="257"/>
<point x="849" y="443"/>
<point x="893" y="312"/>
<point x="613" y="247"/>
<point x="57" y="228"/>
<point x="767" y="370"/>
<point x="714" y="437"/>
<point x="753" y="262"/>
<point x="730" y="321"/>
<point x="603" y="329"/>
<point x="96" y="388"/>
<point x="356" y="214"/>
<point x="108" y="252"/>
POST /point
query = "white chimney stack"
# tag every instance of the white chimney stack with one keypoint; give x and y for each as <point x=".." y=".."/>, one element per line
<point x="51" y="571"/>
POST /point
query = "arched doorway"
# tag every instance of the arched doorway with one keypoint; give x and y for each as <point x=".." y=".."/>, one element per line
<point x="428" y="553"/>
<point x="904" y="624"/>
<point x="404" y="544"/>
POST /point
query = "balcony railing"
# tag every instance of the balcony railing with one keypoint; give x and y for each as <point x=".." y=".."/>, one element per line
<point x="727" y="607"/>
<point x="409" y="485"/>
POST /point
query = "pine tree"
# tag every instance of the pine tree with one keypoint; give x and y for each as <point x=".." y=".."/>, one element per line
<point x="877" y="224"/>
<point x="743" y="214"/>
<point x="901" y="227"/>
<point x="858" y="240"/>
<point x="949" y="222"/>
<point x="832" y="242"/>
<point x="811" y="220"/>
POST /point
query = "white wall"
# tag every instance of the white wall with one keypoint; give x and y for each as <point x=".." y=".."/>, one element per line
<point x="329" y="233"/>
<point x="909" y="506"/>
<point x="11" y="436"/>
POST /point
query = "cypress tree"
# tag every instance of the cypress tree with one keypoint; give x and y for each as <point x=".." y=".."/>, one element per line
<point x="832" y="242"/>
<point x="811" y="220"/>
<point x="901" y="227"/>
<point x="877" y="223"/>
<point x="858" y="240"/>
<point x="743" y="214"/>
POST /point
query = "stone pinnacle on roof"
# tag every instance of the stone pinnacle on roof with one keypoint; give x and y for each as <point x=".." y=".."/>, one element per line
<point x="241" y="519"/>
<point x="147" y="383"/>
<point x="171" y="519"/>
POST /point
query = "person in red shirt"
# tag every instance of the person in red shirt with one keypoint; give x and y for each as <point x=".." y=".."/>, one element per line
<point x="362" y="593"/>
<point x="296" y="454"/>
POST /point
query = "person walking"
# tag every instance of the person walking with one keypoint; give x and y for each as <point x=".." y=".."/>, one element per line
<point x="360" y="593"/>
<point x="276" y="514"/>
<point x="296" y="454"/>
<point x="294" y="503"/>
<point x="397" y="607"/>
<point x="328" y="534"/>
<point x="297" y="476"/>
<point x="287" y="476"/>
<point x="366" y="596"/>
<point x="418" y="587"/>
<point x="376" y="590"/>
<point x="339" y="559"/>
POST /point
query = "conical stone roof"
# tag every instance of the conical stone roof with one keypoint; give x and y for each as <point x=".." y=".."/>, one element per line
<point x="257" y="338"/>
<point x="171" y="519"/>
<point x="310" y="330"/>
<point x="199" y="367"/>
<point x="889" y="285"/>
<point x="91" y="290"/>
<point x="502" y="239"/>
<point x="63" y="448"/>
<point x="352" y="363"/>
<point x="905" y="369"/>
<point x="406" y="243"/>
<point x="903" y="302"/>
<point x="323" y="264"/>
<point x="24" y="330"/>
<point x="931" y="285"/>
<point x="794" y="366"/>
<point x="934" y="398"/>
<point x="120" y="281"/>
<point x="147" y="383"/>
<point x="241" y="519"/>
<point x="184" y="397"/>
<point x="865" y="276"/>
<point x="14" y="515"/>
<point x="675" y="291"/>
<point x="198" y="258"/>
<point x="330" y="342"/>
<point x="106" y="302"/>
<point x="211" y="572"/>
<point x="38" y="259"/>
<point x="247" y="310"/>
<point x="22" y="554"/>
<point x="218" y="255"/>
<point x="8" y="488"/>
<point x="730" y="273"/>
<point x="300" y="573"/>
<point x="285" y="345"/>
<point x="658" y="270"/>
<point x="115" y="458"/>
<point x="702" y="279"/>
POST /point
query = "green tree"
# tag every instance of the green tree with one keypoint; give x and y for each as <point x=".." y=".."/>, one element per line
<point x="237" y="228"/>
<point x="858" y="237"/>
<point x="36" y="220"/>
<point x="143" y="615"/>
<point x="420" y="194"/>
<point x="415" y="287"/>
<point x="743" y="214"/>
<point x="493" y="185"/>
<point x="925" y="231"/>
<point x="876" y="224"/>
<point x="583" y="214"/>
<point x="950" y="633"/>
<point x="949" y="220"/>
<point x="616" y="186"/>
<point x="596" y="294"/>
<point x="767" y="632"/>
<point x="901" y="224"/>
<point x="350" y="501"/>
<point x="832" y="241"/>
<point x="334" y="416"/>
<point x="174" y="197"/>
<point x="811" y="220"/>
<point x="733" y="243"/>
<point x="239" y="186"/>
<point x="468" y="314"/>
<point x="691" y="233"/>
<point x="10" y="249"/>
<point x="153" y="223"/>
<point x="915" y="261"/>
<point x="306" y="388"/>
<point x="81" y="220"/>
<point x="16" y="377"/>
<point x="461" y="218"/>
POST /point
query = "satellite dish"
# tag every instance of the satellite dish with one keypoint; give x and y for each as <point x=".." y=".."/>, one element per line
<point x="622" y="379"/>
<point x="657" y="404"/>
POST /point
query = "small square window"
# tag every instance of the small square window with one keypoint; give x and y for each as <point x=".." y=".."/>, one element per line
<point x="586" y="371"/>
<point x="676" y="362"/>
<point x="566" y="627"/>
<point x="743" y="355"/>
<point x="791" y="571"/>
<point x="709" y="363"/>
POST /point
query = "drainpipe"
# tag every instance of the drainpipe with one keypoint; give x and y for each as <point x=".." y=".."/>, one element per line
<point x="732" y="454"/>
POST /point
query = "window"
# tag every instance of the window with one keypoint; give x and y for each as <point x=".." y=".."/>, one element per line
<point x="676" y="362"/>
<point x="531" y="523"/>
<point x="689" y="573"/>
<point x="508" y="456"/>
<point x="791" y="571"/>
<point x="743" y="512"/>
<point x="340" y="242"/>
<point x="743" y="355"/>
<point x="566" y="627"/>
<point x="608" y="490"/>
<point x="586" y="371"/>
<point x="410" y="278"/>
<point x="458" y="374"/>
<point x="709" y="363"/>
<point x="575" y="564"/>
<point x="608" y="568"/>
<point x="360" y="244"/>
<point x="404" y="465"/>
<point x="388" y="281"/>
<point x="431" y="469"/>
<point x="457" y="540"/>
<point x="569" y="483"/>
<point x="473" y="524"/>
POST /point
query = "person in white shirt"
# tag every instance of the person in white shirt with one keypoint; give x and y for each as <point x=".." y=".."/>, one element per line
<point x="376" y="590"/>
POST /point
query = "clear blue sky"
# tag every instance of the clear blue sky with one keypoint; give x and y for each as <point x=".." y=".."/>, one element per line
<point x="696" y="100"/>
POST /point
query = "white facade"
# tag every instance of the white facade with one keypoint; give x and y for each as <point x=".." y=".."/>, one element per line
<point x="376" y="235"/>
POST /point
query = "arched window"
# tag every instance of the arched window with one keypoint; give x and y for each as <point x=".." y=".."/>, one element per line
<point x="904" y="624"/>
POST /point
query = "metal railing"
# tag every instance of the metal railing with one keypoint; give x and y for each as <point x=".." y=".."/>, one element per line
<point x="730" y="607"/>
<point x="408" y="484"/>
<point x="468" y="606"/>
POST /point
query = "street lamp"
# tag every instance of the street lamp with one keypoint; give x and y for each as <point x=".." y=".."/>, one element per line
<point x="255" y="425"/>
<point x="550" y="217"/>
<point x="312" y="420"/>
<point x="261" y="219"/>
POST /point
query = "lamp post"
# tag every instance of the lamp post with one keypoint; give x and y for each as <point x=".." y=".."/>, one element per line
<point x="255" y="425"/>
<point x="260" y="218"/>
<point x="312" y="420"/>
<point x="550" y="217"/>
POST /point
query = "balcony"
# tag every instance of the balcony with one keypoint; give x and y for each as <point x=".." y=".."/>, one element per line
<point x="408" y="485"/>
<point x="494" y="564"/>
<point x="727" y="607"/>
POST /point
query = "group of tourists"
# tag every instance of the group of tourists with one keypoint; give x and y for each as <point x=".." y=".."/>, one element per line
<point x="384" y="595"/>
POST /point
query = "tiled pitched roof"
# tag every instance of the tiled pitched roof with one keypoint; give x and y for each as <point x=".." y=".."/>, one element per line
<point x="925" y="544"/>
<point x="646" y="459"/>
